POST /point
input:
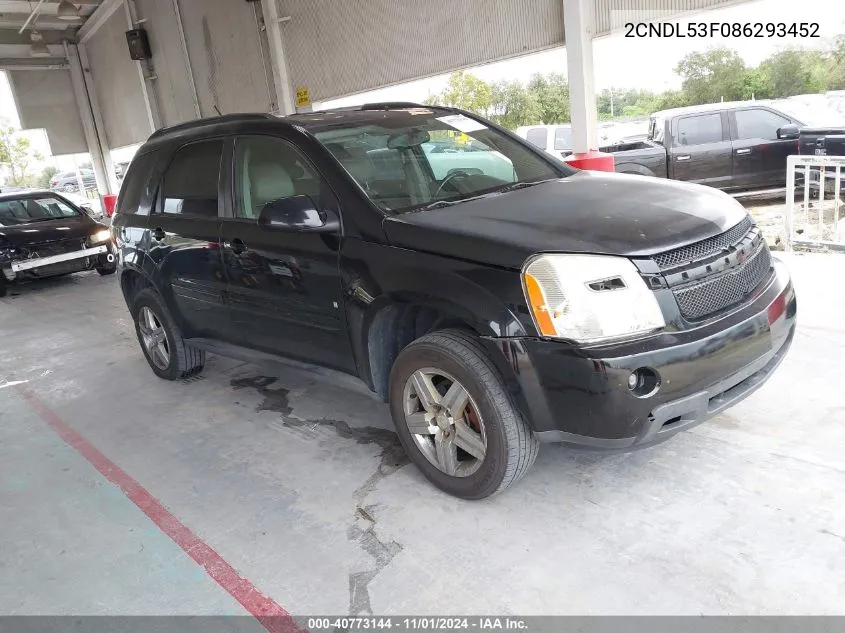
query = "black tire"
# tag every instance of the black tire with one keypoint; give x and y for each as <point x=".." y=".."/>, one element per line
<point x="3" y="287"/>
<point x="511" y="446"/>
<point x="106" y="271"/>
<point x="185" y="360"/>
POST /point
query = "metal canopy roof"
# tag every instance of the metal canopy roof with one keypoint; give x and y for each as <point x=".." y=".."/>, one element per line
<point x="40" y="16"/>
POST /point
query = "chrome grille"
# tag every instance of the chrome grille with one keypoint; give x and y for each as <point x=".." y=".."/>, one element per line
<point x="701" y="298"/>
<point x="692" y="252"/>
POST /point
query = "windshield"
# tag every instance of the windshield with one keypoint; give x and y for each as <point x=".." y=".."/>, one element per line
<point x="415" y="158"/>
<point x="25" y="210"/>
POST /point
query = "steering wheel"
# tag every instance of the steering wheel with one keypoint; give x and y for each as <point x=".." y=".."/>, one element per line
<point x="458" y="173"/>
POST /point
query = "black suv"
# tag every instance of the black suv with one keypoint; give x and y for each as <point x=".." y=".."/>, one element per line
<point x="495" y="298"/>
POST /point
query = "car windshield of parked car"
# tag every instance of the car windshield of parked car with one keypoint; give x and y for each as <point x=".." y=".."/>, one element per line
<point x="25" y="210"/>
<point x="418" y="158"/>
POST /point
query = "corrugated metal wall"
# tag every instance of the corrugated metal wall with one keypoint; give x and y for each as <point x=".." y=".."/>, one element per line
<point x="171" y="87"/>
<point x="337" y="48"/>
<point x="117" y="84"/>
<point x="226" y="56"/>
<point x="611" y="15"/>
<point x="45" y="100"/>
<point x="333" y="47"/>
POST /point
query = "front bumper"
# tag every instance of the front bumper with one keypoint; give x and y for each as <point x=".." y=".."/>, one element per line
<point x="84" y="259"/>
<point x="580" y="396"/>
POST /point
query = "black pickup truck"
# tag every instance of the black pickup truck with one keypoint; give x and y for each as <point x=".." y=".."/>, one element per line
<point x="732" y="146"/>
<point x="822" y="140"/>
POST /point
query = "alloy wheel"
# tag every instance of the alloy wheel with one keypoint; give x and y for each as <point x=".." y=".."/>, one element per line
<point x="445" y="422"/>
<point x="154" y="338"/>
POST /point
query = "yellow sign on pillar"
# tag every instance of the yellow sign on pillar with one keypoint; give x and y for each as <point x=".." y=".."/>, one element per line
<point x="303" y="98"/>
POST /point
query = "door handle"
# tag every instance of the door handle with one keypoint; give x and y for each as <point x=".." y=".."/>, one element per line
<point x="747" y="150"/>
<point x="682" y="157"/>
<point x="237" y="245"/>
<point x="158" y="234"/>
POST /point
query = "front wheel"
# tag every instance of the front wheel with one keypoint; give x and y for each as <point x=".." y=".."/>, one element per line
<point x="455" y="419"/>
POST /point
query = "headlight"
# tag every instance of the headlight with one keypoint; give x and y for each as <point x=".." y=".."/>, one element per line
<point x="589" y="298"/>
<point x="101" y="236"/>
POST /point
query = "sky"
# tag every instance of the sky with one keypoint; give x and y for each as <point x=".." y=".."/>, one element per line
<point x="619" y="62"/>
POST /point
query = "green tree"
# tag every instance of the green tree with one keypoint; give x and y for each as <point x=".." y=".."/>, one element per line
<point x="835" y="65"/>
<point x="713" y="75"/>
<point x="671" y="99"/>
<point x="757" y="84"/>
<point x="46" y="174"/>
<point x="16" y="151"/>
<point x="552" y="94"/>
<point x="513" y="105"/>
<point x="795" y="72"/>
<point x="466" y="91"/>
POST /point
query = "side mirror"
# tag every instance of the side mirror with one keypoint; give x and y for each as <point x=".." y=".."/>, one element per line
<point x="297" y="213"/>
<point x="788" y="131"/>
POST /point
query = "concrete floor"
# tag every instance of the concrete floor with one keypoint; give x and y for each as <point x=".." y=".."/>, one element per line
<point x="295" y="479"/>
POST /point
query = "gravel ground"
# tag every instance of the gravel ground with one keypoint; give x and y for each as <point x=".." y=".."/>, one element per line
<point x="770" y="217"/>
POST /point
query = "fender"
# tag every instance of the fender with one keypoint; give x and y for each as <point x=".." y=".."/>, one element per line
<point x="446" y="292"/>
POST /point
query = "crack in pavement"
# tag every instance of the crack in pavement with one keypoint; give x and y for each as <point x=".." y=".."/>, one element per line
<point x="362" y="528"/>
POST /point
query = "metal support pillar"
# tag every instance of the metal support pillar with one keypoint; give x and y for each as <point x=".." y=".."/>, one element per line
<point x="281" y="76"/>
<point x="578" y="30"/>
<point x="144" y="74"/>
<point x="92" y="124"/>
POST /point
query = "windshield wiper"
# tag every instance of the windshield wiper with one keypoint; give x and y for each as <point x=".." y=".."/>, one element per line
<point x="439" y="204"/>
<point x="522" y="185"/>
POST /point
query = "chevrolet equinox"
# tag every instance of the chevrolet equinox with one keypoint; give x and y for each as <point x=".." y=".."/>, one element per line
<point x="495" y="297"/>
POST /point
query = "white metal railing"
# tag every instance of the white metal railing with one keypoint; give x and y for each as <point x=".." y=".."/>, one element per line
<point x="814" y="220"/>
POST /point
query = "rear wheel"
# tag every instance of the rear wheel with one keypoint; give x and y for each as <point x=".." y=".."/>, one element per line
<point x="103" y="270"/>
<point x="455" y="419"/>
<point x="169" y="355"/>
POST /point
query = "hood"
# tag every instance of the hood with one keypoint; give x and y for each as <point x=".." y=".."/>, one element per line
<point x="49" y="231"/>
<point x="588" y="212"/>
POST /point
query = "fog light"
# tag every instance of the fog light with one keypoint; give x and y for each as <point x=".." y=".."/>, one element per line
<point x="644" y="382"/>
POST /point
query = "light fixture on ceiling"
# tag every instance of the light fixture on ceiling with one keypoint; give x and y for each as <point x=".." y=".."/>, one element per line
<point x="67" y="11"/>
<point x="38" y="48"/>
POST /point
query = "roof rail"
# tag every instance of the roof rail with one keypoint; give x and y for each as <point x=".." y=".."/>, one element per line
<point x="188" y="125"/>
<point x="391" y="105"/>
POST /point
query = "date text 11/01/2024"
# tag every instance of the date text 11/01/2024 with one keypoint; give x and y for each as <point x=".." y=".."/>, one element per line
<point x="723" y="29"/>
<point x="423" y="623"/>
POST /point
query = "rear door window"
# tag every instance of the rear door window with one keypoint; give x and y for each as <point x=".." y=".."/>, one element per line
<point x="190" y="185"/>
<point x="700" y="129"/>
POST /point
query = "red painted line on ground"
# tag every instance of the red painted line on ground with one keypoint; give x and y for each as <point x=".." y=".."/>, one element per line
<point x="270" y="614"/>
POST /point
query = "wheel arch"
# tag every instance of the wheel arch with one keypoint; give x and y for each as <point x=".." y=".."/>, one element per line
<point x="633" y="168"/>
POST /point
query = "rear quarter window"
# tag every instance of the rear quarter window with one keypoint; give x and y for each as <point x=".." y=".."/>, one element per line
<point x="139" y="185"/>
